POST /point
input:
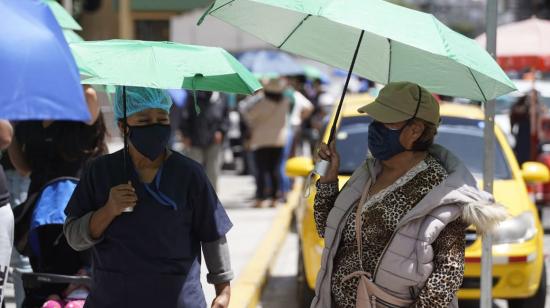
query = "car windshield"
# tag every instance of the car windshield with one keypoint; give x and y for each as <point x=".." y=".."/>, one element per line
<point x="463" y="137"/>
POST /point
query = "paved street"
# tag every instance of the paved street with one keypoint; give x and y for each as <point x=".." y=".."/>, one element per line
<point x="250" y="225"/>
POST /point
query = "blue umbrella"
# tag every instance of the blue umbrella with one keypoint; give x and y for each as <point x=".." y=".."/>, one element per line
<point x="270" y="63"/>
<point x="38" y="75"/>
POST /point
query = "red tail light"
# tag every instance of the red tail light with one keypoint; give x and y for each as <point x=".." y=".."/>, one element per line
<point x="531" y="191"/>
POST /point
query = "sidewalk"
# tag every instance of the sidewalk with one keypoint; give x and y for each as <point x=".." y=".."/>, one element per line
<point x="249" y="226"/>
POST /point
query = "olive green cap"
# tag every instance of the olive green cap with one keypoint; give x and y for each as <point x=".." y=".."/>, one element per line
<point x="398" y="101"/>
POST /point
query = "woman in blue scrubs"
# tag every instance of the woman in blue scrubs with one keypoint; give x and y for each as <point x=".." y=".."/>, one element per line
<point x="149" y="256"/>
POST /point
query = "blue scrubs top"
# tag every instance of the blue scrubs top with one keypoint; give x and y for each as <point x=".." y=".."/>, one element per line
<point x="151" y="257"/>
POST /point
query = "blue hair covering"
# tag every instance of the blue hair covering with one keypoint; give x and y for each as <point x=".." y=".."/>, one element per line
<point x="139" y="99"/>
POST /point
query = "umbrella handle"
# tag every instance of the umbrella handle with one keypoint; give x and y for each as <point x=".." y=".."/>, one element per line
<point x="321" y="167"/>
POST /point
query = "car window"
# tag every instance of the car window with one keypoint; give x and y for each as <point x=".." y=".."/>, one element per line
<point x="466" y="142"/>
<point x="464" y="137"/>
<point x="351" y="142"/>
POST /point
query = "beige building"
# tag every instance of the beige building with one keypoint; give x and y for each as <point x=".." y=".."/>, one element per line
<point x="159" y="20"/>
<point x="133" y="19"/>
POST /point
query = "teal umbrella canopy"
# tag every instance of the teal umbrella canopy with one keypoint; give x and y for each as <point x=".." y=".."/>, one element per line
<point x="164" y="65"/>
<point x="65" y="20"/>
<point x="399" y="44"/>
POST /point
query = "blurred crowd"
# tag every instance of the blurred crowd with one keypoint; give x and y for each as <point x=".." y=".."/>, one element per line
<point x="256" y="135"/>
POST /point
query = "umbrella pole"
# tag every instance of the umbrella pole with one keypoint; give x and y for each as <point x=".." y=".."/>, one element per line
<point x="125" y="134"/>
<point x="125" y="153"/>
<point x="321" y="167"/>
<point x="337" y="116"/>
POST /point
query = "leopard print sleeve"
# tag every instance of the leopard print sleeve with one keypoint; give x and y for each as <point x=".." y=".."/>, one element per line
<point x="446" y="278"/>
<point x="324" y="201"/>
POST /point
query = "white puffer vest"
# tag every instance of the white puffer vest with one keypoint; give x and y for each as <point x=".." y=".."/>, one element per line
<point x="407" y="261"/>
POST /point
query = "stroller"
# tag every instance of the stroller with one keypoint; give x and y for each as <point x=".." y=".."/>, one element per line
<point x="39" y="235"/>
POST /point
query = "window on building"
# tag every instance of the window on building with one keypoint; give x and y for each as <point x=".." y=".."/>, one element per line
<point x="152" y="30"/>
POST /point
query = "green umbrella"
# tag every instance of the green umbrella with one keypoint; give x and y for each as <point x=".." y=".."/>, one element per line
<point x="391" y="43"/>
<point x="71" y="36"/>
<point x="399" y="44"/>
<point x="164" y="65"/>
<point x="65" y="20"/>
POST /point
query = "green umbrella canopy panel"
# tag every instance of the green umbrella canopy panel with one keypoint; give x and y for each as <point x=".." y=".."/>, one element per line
<point x="165" y="65"/>
<point x="65" y="20"/>
<point x="399" y="44"/>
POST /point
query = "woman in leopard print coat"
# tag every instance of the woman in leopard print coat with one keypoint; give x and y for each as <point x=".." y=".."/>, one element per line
<point x="399" y="139"/>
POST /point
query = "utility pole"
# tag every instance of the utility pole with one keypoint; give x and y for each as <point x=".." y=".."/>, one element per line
<point x="125" y="21"/>
<point x="486" y="300"/>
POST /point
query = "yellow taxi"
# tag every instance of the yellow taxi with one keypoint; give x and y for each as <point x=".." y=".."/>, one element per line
<point x="518" y="272"/>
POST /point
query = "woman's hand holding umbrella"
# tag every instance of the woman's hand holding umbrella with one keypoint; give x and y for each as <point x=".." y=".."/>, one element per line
<point x="329" y="153"/>
<point x="121" y="197"/>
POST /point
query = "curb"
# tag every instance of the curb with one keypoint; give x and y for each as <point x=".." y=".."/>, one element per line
<point x="247" y="290"/>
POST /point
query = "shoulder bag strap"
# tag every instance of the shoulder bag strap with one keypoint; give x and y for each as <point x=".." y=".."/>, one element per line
<point x="359" y="221"/>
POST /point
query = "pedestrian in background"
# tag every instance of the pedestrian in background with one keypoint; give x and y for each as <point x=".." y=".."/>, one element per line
<point x="18" y="185"/>
<point x="520" y="124"/>
<point x="313" y="125"/>
<point x="301" y="109"/>
<point x="267" y="119"/>
<point x="203" y="126"/>
<point x="6" y="215"/>
<point x="179" y="99"/>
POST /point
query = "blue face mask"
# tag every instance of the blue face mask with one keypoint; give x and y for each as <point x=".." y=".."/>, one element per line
<point x="384" y="142"/>
<point x="150" y="140"/>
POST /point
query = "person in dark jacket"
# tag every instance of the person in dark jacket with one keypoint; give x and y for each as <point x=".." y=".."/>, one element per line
<point x="45" y="150"/>
<point x="203" y="127"/>
<point x="149" y="256"/>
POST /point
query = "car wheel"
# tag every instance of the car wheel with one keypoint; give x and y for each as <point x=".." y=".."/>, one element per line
<point x="305" y="293"/>
<point x="537" y="300"/>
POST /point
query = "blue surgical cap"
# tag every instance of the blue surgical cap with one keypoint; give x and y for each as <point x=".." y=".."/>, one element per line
<point x="139" y="99"/>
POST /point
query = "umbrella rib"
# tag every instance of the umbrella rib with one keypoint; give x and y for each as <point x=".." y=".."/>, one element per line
<point x="219" y="7"/>
<point x="477" y="83"/>
<point x="294" y="30"/>
<point x="389" y="65"/>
